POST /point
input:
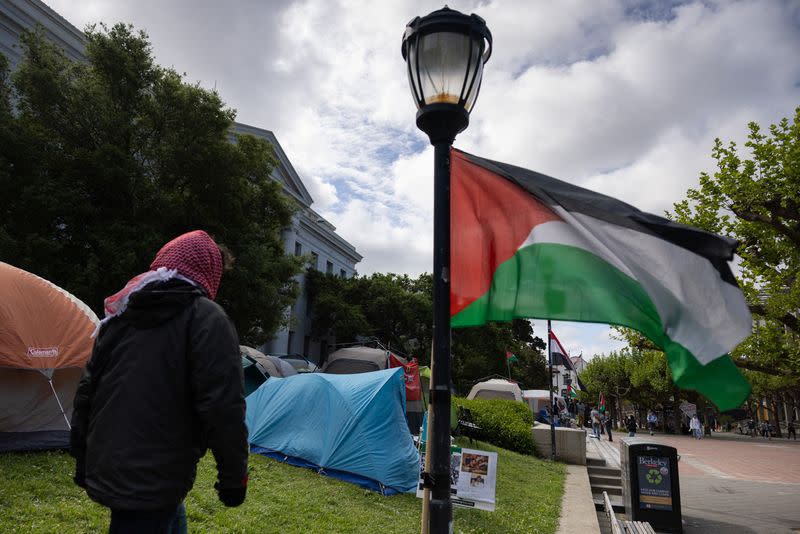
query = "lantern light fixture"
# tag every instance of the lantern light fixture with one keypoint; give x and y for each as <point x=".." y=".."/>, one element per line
<point x="444" y="53"/>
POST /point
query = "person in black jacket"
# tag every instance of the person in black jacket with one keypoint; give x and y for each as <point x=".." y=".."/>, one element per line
<point x="608" y="422"/>
<point x="163" y="385"/>
<point x="630" y="424"/>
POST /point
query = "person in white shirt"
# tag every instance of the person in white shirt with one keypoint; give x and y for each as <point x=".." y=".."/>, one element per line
<point x="651" y="421"/>
<point x="694" y="426"/>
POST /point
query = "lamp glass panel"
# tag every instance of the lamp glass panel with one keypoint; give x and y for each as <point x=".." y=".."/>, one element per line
<point x="475" y="73"/>
<point x="443" y="58"/>
<point x="411" y="65"/>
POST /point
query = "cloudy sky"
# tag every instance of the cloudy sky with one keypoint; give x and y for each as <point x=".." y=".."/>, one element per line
<point x="622" y="97"/>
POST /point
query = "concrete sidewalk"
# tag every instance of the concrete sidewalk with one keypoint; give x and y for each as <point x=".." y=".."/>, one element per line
<point x="577" y="507"/>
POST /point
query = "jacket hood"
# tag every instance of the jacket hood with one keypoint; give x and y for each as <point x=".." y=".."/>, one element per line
<point x="156" y="303"/>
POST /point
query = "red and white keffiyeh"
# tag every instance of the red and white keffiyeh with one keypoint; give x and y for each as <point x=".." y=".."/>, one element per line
<point x="193" y="257"/>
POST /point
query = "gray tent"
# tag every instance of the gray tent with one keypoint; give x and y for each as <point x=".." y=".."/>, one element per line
<point x="351" y="360"/>
<point x="258" y="367"/>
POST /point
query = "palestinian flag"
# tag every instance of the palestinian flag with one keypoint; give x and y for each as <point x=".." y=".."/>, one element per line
<point x="510" y="357"/>
<point x="527" y="245"/>
<point x="571" y="392"/>
<point x="559" y="356"/>
<point x="602" y="403"/>
<point x="557" y="353"/>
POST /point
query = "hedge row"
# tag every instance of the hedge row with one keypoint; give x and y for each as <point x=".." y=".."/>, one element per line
<point x="504" y="423"/>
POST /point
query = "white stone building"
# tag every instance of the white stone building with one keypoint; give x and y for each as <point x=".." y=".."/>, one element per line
<point x="310" y="234"/>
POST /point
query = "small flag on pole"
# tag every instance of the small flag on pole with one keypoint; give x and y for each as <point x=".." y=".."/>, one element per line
<point x="602" y="403"/>
<point x="571" y="392"/>
<point x="561" y="357"/>
<point x="510" y="357"/>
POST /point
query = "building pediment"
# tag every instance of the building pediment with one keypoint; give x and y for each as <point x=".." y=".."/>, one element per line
<point x="284" y="171"/>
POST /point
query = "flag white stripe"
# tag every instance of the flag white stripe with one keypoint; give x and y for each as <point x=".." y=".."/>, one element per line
<point x="702" y="312"/>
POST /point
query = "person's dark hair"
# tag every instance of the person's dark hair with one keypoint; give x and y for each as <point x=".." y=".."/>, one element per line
<point x="227" y="257"/>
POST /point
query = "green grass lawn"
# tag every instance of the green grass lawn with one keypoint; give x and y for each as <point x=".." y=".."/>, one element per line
<point x="37" y="495"/>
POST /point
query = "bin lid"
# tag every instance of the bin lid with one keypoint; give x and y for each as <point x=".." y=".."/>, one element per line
<point x="647" y="446"/>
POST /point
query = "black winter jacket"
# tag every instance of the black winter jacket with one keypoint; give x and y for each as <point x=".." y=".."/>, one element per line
<point x="164" y="383"/>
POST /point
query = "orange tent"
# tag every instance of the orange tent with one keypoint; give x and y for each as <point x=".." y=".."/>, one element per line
<point x="45" y="340"/>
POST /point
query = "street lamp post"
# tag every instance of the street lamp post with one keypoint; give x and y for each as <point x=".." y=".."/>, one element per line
<point x="444" y="53"/>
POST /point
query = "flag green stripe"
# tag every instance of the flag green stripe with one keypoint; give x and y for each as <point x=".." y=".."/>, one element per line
<point x="562" y="282"/>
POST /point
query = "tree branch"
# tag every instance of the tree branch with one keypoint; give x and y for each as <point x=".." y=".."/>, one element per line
<point x="790" y="321"/>
<point x="752" y="216"/>
<point x="750" y="366"/>
<point x="644" y="344"/>
<point x="790" y="211"/>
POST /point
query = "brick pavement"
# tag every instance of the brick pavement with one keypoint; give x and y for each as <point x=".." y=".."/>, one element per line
<point x="726" y="457"/>
<point x="736" y="484"/>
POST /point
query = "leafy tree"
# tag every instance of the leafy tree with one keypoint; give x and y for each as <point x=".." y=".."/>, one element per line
<point x="480" y="351"/>
<point x="398" y="311"/>
<point x="395" y="309"/>
<point x="611" y="376"/>
<point x="756" y="200"/>
<point x="104" y="161"/>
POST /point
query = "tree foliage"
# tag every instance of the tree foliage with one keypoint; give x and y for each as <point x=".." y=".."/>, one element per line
<point x="103" y="161"/>
<point x="755" y="198"/>
<point x="398" y="311"/>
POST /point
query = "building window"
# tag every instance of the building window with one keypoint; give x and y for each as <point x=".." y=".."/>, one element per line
<point x="342" y="273"/>
<point x="298" y="248"/>
<point x="329" y="267"/>
<point x="314" y="260"/>
<point x="306" y="342"/>
<point x="289" y="343"/>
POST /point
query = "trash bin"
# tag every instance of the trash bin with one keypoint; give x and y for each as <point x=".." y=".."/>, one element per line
<point x="650" y="487"/>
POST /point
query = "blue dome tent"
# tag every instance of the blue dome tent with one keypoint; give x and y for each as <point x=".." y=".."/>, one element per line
<point x="350" y="427"/>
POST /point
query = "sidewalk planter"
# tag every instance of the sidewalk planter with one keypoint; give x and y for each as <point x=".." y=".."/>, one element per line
<point x="570" y="443"/>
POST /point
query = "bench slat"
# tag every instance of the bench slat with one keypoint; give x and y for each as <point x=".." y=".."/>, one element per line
<point x="616" y="527"/>
<point x="637" y="527"/>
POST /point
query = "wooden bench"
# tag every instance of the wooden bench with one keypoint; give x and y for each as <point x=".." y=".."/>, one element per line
<point x="466" y="426"/>
<point x="624" y="527"/>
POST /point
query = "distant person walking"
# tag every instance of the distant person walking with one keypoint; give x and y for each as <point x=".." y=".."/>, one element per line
<point x="651" y="421"/>
<point x="163" y="385"/>
<point x="790" y="431"/>
<point x="596" y="423"/>
<point x="609" y="424"/>
<point x="631" y="426"/>
<point x="695" y="427"/>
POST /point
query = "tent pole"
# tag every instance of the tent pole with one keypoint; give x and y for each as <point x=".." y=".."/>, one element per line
<point x="50" y="381"/>
<point x="426" y="492"/>
<point x="552" y="407"/>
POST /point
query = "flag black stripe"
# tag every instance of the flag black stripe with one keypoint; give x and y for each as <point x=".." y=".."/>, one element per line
<point x="718" y="250"/>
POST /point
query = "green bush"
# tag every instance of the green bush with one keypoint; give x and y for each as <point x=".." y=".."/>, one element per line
<point x="504" y="423"/>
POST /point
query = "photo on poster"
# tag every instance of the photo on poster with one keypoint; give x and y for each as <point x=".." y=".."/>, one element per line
<point x="455" y="472"/>
<point x="475" y="463"/>
<point x="477" y="481"/>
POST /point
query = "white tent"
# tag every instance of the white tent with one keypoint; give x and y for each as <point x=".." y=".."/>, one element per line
<point x="496" y="388"/>
<point x="539" y="398"/>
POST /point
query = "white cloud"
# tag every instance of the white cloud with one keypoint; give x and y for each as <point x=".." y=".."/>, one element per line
<point x="623" y="97"/>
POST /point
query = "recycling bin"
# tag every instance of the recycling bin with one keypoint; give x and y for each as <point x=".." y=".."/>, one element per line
<point x="650" y="486"/>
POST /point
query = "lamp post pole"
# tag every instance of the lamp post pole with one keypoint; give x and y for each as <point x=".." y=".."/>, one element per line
<point x="440" y="507"/>
<point x="444" y="52"/>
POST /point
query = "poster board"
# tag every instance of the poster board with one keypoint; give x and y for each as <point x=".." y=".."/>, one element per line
<point x="473" y="477"/>
<point x="655" y="486"/>
<point x="689" y="409"/>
